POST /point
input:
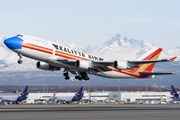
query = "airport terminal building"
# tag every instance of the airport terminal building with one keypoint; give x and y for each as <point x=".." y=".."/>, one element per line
<point x="107" y="96"/>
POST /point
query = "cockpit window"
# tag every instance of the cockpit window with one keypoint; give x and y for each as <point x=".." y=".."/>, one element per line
<point x="20" y="35"/>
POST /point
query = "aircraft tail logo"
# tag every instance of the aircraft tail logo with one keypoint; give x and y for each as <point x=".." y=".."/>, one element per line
<point x="25" y="93"/>
<point x="153" y="54"/>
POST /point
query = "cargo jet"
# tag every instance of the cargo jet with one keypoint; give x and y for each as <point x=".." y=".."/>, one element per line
<point x="175" y="94"/>
<point x="52" y="56"/>
<point x="67" y="99"/>
<point x="14" y="98"/>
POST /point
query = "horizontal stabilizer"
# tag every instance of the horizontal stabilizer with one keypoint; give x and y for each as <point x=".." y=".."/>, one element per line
<point x="155" y="73"/>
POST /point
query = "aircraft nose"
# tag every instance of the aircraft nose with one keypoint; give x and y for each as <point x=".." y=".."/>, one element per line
<point x="13" y="42"/>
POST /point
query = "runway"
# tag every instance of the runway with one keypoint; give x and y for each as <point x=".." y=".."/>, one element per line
<point x="160" y="113"/>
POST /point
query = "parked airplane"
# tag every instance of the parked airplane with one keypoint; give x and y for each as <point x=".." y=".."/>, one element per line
<point x="175" y="94"/>
<point x="52" y="56"/>
<point x="15" y="98"/>
<point x="67" y="99"/>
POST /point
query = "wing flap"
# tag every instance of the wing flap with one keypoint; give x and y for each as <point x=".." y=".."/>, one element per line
<point x="148" y="61"/>
<point x="155" y="73"/>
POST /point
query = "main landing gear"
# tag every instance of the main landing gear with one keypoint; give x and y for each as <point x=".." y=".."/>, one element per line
<point x="83" y="75"/>
<point x="80" y="77"/>
<point x="20" y="61"/>
<point x="66" y="74"/>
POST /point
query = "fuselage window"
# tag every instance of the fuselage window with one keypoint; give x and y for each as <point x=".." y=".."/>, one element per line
<point x="61" y="48"/>
<point x="55" y="46"/>
<point x="72" y="51"/>
<point x="65" y="49"/>
<point x="83" y="55"/>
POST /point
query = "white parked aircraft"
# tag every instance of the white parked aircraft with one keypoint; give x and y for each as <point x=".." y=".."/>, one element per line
<point x="52" y="56"/>
<point x="67" y="99"/>
<point x="15" y="98"/>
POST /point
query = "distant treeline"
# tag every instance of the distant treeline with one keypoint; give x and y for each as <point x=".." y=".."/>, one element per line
<point x="50" y="89"/>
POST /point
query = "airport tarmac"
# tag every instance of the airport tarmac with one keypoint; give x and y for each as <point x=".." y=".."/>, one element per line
<point x="93" y="114"/>
<point x="109" y="112"/>
<point x="82" y="106"/>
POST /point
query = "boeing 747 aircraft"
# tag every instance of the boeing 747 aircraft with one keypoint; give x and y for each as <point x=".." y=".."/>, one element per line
<point x="52" y="56"/>
<point x="14" y="98"/>
<point x="67" y="99"/>
<point x="175" y="94"/>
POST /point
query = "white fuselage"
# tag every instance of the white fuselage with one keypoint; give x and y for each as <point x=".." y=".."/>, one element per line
<point x="64" y="98"/>
<point x="8" y="98"/>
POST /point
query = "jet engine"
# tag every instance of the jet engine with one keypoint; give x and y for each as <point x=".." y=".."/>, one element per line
<point x="45" y="66"/>
<point x="82" y="64"/>
<point x="120" y="65"/>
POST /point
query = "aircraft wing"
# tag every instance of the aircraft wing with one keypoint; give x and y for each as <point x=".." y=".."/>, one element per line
<point x="96" y="65"/>
<point x="136" y="63"/>
<point x="100" y="66"/>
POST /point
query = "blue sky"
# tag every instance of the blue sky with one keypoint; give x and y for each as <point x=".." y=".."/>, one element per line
<point x="85" y="22"/>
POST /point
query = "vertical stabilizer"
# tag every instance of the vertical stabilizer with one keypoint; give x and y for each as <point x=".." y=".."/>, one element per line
<point x="25" y="93"/>
<point x="174" y="92"/>
<point x="153" y="54"/>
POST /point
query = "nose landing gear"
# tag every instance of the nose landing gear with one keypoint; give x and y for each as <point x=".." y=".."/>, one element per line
<point x="20" y="61"/>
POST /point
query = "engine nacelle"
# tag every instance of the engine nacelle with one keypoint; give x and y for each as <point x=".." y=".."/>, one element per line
<point x="45" y="66"/>
<point x="82" y="64"/>
<point x="120" y="65"/>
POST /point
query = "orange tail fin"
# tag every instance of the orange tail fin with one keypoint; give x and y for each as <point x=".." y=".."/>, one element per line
<point x="153" y="54"/>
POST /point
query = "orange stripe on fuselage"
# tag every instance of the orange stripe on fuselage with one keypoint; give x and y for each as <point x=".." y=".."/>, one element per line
<point x="50" y="51"/>
<point x="37" y="48"/>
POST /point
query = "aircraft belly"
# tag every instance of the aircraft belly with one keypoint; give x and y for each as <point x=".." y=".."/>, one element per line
<point x="112" y="74"/>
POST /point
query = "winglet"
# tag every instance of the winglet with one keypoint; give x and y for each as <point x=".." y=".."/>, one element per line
<point x="172" y="59"/>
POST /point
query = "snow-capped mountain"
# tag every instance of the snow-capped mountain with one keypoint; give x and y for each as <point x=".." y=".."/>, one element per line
<point x="174" y="51"/>
<point x="118" y="48"/>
